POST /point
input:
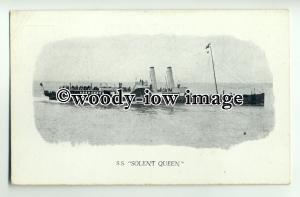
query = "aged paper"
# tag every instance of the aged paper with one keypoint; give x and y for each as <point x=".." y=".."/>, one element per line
<point x="90" y="90"/>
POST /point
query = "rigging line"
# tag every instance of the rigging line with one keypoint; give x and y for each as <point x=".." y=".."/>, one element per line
<point x="232" y="75"/>
<point x="225" y="72"/>
<point x="237" y="78"/>
<point x="213" y="63"/>
<point x="229" y="72"/>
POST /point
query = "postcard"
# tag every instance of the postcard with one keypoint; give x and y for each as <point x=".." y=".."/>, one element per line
<point x="159" y="97"/>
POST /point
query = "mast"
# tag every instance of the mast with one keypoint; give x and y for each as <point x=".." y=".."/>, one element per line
<point x="213" y="64"/>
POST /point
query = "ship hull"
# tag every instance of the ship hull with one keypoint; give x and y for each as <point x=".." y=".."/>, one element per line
<point x="254" y="99"/>
<point x="249" y="99"/>
<point x="50" y="94"/>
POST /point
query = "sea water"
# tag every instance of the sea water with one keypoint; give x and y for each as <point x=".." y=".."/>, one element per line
<point x="181" y="125"/>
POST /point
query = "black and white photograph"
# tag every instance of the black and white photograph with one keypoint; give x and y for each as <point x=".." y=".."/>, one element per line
<point x="150" y="97"/>
<point x="161" y="64"/>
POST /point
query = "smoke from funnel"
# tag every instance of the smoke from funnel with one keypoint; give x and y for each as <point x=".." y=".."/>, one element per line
<point x="153" y="79"/>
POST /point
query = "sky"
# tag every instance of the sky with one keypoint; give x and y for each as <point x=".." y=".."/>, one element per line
<point x="126" y="58"/>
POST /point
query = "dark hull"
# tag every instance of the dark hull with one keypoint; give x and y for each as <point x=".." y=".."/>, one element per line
<point x="249" y="99"/>
<point x="50" y="94"/>
<point x="254" y="99"/>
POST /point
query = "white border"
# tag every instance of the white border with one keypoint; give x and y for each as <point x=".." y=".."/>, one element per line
<point x="8" y="190"/>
